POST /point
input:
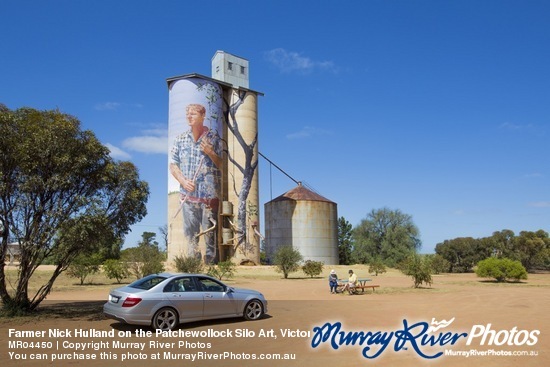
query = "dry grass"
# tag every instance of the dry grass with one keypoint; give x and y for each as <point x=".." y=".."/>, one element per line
<point x="393" y="283"/>
<point x="244" y="274"/>
<point x="63" y="283"/>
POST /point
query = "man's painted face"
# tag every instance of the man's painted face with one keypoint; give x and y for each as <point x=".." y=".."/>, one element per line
<point x="194" y="117"/>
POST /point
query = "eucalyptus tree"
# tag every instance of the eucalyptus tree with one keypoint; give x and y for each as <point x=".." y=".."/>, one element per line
<point x="388" y="235"/>
<point x="345" y="241"/>
<point x="61" y="195"/>
<point x="533" y="249"/>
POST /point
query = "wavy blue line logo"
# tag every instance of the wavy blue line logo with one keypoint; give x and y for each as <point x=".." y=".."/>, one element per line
<point x="419" y="337"/>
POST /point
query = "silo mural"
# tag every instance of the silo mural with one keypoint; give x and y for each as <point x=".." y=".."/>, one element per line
<point x="242" y="178"/>
<point x="212" y="176"/>
<point x="195" y="168"/>
<point x="306" y="221"/>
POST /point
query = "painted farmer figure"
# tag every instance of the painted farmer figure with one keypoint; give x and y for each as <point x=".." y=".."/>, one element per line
<point x="195" y="164"/>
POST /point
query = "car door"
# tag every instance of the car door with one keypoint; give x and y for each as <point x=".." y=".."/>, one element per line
<point x="217" y="302"/>
<point x="183" y="295"/>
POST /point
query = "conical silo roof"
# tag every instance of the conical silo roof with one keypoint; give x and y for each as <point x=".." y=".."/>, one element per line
<point x="300" y="193"/>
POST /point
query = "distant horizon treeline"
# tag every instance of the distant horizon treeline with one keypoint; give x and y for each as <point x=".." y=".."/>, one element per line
<point x="389" y="237"/>
<point x="532" y="249"/>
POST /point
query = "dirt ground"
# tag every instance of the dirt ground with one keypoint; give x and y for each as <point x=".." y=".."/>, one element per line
<point x="299" y="304"/>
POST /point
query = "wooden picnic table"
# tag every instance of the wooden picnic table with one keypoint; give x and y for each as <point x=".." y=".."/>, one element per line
<point x="361" y="284"/>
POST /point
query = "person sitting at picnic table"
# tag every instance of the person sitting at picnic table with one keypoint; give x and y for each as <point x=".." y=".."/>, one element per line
<point x="352" y="282"/>
<point x="333" y="281"/>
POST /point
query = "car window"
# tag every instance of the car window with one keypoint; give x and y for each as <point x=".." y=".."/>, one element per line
<point x="147" y="282"/>
<point x="180" y="285"/>
<point x="211" y="285"/>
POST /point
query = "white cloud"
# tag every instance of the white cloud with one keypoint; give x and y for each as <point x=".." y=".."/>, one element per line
<point x="290" y="61"/>
<point x="107" y="106"/>
<point x="156" y="132"/>
<point x="540" y="204"/>
<point x="537" y="130"/>
<point x="117" y="153"/>
<point x="113" y="106"/>
<point x="509" y="126"/>
<point x="308" y="132"/>
<point x="154" y="141"/>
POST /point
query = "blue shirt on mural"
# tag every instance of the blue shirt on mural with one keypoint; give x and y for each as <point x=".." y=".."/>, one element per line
<point x="186" y="153"/>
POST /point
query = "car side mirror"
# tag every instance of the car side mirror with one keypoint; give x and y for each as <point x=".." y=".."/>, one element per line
<point x="229" y="290"/>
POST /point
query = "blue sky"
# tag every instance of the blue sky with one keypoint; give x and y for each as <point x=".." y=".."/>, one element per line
<point x="440" y="109"/>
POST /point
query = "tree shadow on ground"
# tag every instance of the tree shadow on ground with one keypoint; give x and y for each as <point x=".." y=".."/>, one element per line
<point x="85" y="310"/>
<point x="494" y="281"/>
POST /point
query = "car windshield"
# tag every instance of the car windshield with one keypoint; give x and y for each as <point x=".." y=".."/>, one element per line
<point x="148" y="282"/>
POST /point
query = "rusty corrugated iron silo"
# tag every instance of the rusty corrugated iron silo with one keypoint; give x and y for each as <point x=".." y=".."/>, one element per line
<point x="305" y="220"/>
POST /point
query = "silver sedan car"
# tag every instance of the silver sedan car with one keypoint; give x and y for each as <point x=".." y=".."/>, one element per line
<point x="166" y="300"/>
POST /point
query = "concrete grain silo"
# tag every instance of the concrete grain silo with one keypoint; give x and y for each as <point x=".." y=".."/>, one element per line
<point x="213" y="137"/>
<point x="305" y="220"/>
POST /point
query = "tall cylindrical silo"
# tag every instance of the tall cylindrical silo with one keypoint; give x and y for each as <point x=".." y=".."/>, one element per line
<point x="195" y="121"/>
<point x="213" y="199"/>
<point x="305" y="220"/>
<point x="242" y="174"/>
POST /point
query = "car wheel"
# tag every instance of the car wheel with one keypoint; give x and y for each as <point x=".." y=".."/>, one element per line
<point x="165" y="319"/>
<point x="253" y="310"/>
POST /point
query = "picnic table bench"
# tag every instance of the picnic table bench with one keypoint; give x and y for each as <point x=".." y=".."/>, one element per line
<point x="362" y="287"/>
<point x="361" y="284"/>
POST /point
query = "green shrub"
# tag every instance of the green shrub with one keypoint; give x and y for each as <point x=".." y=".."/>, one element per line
<point x="501" y="269"/>
<point x="287" y="260"/>
<point x="264" y="260"/>
<point x="439" y="264"/>
<point x="144" y="259"/>
<point x="188" y="264"/>
<point x="83" y="266"/>
<point x="418" y="268"/>
<point x="116" y="269"/>
<point x="223" y="268"/>
<point x="313" y="268"/>
<point x="377" y="267"/>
